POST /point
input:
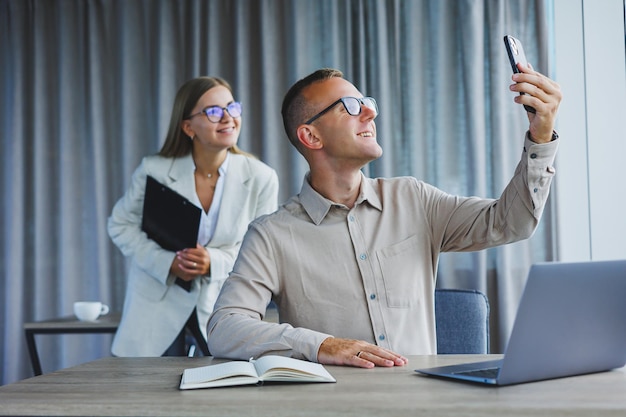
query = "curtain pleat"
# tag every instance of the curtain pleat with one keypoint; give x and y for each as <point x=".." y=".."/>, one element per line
<point x="87" y="86"/>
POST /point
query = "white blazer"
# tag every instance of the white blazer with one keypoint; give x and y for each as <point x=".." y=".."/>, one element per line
<point x="155" y="309"/>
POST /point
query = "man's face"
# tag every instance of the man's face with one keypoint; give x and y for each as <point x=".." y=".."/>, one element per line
<point x="345" y="137"/>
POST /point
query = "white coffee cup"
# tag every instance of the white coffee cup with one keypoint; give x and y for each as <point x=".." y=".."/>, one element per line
<point x="90" y="310"/>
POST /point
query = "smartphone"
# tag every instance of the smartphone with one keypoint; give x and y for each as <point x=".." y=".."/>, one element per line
<point x="515" y="51"/>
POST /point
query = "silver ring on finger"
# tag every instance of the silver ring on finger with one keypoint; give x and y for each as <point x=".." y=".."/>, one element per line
<point x="358" y="355"/>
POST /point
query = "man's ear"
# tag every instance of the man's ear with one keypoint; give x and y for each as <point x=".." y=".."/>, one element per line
<point x="308" y="138"/>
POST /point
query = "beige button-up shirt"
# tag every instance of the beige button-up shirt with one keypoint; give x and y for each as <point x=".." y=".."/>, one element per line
<point x="368" y="272"/>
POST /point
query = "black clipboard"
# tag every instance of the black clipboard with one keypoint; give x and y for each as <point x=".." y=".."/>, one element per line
<point x="170" y="219"/>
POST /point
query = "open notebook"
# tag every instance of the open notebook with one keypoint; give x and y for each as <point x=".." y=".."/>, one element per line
<point x="571" y="320"/>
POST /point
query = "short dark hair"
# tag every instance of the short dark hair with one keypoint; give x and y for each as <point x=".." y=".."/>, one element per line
<point x="296" y="109"/>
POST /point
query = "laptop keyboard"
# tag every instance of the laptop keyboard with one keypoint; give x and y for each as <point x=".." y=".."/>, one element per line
<point x="481" y="373"/>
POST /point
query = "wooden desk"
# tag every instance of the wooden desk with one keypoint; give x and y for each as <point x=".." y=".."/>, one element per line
<point x="66" y="325"/>
<point x="71" y="325"/>
<point x="149" y="386"/>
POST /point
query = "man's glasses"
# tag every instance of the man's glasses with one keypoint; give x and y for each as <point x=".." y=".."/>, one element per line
<point x="351" y="104"/>
<point x="215" y="113"/>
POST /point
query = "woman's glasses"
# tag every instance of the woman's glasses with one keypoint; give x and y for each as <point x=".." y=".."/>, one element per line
<point x="351" y="104"/>
<point x="216" y="113"/>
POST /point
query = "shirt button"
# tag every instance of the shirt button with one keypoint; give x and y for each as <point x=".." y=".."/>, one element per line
<point x="381" y="337"/>
<point x="533" y="156"/>
<point x="351" y="218"/>
<point x="535" y="190"/>
<point x="372" y="296"/>
<point x="363" y="256"/>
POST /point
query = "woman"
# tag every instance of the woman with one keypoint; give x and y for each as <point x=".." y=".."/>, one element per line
<point x="199" y="160"/>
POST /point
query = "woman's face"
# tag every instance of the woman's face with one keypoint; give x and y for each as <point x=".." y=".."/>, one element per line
<point x="211" y="135"/>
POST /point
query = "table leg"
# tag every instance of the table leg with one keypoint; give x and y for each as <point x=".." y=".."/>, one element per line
<point x="32" y="351"/>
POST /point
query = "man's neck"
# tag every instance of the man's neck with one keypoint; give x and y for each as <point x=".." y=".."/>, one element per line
<point x="342" y="189"/>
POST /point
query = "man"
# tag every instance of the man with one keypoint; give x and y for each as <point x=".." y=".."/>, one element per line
<point x="351" y="261"/>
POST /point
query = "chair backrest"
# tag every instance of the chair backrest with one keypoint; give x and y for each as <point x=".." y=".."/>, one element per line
<point x="462" y="320"/>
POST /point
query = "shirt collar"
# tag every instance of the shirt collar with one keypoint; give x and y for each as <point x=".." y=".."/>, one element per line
<point x="224" y="167"/>
<point x="318" y="206"/>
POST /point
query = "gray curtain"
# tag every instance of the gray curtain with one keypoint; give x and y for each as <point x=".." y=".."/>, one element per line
<point x="86" y="89"/>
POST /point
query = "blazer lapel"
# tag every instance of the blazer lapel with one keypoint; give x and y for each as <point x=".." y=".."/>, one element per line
<point x="236" y="192"/>
<point x="181" y="177"/>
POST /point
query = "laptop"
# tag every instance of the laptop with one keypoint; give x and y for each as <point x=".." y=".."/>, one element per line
<point x="571" y="320"/>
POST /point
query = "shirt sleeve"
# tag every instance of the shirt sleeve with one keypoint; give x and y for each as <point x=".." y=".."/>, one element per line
<point x="124" y="227"/>
<point x="236" y="329"/>
<point x="472" y="223"/>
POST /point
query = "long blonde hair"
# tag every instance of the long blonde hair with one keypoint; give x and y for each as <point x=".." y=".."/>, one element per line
<point x="177" y="144"/>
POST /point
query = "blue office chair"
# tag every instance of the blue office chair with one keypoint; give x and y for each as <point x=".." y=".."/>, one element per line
<point x="462" y="321"/>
